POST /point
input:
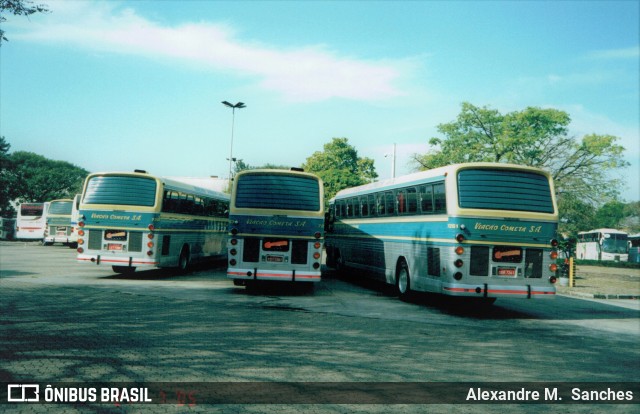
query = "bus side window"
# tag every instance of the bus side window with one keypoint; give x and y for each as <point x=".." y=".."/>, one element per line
<point x="439" y="198"/>
<point x="364" y="207"/>
<point x="426" y="197"/>
<point x="412" y="200"/>
<point x="355" y="206"/>
<point x="371" y="200"/>
<point x="380" y="202"/>
<point x="391" y="203"/>
<point x="402" y="200"/>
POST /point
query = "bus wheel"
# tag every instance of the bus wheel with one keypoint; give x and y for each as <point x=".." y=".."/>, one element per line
<point x="123" y="269"/>
<point x="183" y="261"/>
<point x="403" y="281"/>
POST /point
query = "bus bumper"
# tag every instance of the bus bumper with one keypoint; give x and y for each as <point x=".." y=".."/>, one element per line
<point x="498" y="291"/>
<point x="275" y="275"/>
<point x="116" y="260"/>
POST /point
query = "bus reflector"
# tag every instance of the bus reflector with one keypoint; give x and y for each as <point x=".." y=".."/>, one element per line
<point x="149" y="253"/>
<point x="316" y="255"/>
<point x="317" y="245"/>
<point x="81" y="232"/>
<point x="150" y="245"/>
<point x="81" y="224"/>
<point x="234" y="242"/>
<point x="150" y="236"/>
<point x="80" y="241"/>
<point x="457" y="276"/>
<point x="232" y="262"/>
<point x="233" y="252"/>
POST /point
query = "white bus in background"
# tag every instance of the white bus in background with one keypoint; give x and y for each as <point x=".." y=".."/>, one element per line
<point x="31" y="221"/>
<point x="603" y="244"/>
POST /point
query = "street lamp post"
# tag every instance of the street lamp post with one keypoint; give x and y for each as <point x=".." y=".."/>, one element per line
<point x="233" y="107"/>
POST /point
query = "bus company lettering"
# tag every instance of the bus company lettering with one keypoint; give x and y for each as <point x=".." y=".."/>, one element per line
<point x="277" y="223"/>
<point x="508" y="228"/>
<point x="114" y="216"/>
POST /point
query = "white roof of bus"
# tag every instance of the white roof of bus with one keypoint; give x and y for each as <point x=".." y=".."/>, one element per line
<point x="613" y="231"/>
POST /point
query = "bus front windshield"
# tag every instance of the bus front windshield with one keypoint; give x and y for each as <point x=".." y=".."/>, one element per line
<point x="615" y="243"/>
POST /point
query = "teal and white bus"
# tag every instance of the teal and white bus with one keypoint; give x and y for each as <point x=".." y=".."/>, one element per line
<point x="59" y="228"/>
<point x="484" y="230"/>
<point x="136" y="220"/>
<point x="276" y="226"/>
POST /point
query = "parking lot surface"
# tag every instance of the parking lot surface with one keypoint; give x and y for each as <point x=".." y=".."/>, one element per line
<point x="65" y="322"/>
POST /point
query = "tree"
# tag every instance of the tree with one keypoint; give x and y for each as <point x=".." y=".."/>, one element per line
<point x="7" y="189"/>
<point x="36" y="178"/>
<point x="535" y="137"/>
<point x="18" y="8"/>
<point x="339" y="166"/>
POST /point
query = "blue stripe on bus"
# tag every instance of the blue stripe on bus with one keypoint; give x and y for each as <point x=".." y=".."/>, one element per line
<point x="274" y="225"/>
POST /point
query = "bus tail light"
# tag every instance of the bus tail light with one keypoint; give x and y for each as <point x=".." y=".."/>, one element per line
<point x="553" y="255"/>
<point x="460" y="237"/>
<point x="457" y="276"/>
<point x="234" y="242"/>
<point x="151" y="227"/>
<point x="554" y="243"/>
<point x="458" y="263"/>
<point x="80" y="232"/>
<point x="316" y="265"/>
<point x="233" y="252"/>
<point x="553" y="267"/>
<point x="81" y="224"/>
<point x="80" y="241"/>
<point x="552" y="280"/>
<point x="316" y="255"/>
<point x="150" y="245"/>
<point x="317" y="235"/>
<point x="150" y="236"/>
<point x="459" y="250"/>
<point x="232" y="262"/>
<point x="149" y="253"/>
<point x="234" y="231"/>
<point x="317" y="245"/>
<point x="80" y="250"/>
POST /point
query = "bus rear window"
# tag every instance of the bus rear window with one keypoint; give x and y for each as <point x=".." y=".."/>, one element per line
<point x="28" y="210"/>
<point x="504" y="190"/>
<point x="121" y="190"/>
<point x="61" y="207"/>
<point x="278" y="192"/>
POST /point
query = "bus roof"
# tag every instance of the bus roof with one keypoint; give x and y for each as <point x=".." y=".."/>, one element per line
<point x="611" y="231"/>
<point x="172" y="183"/>
<point x="429" y="175"/>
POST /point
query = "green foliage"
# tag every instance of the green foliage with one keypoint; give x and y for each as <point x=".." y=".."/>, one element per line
<point x="339" y="166"/>
<point x="539" y="138"/>
<point x="18" y="8"/>
<point x="7" y="189"/>
<point x="34" y="178"/>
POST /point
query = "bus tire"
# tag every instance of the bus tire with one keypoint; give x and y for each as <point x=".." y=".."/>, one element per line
<point x="403" y="281"/>
<point x="183" y="260"/>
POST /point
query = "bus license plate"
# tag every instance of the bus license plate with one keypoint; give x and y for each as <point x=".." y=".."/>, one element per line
<point x="507" y="271"/>
<point x="117" y="247"/>
<point x="276" y="259"/>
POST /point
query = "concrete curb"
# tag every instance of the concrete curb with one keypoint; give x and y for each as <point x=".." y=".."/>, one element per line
<point x="600" y="295"/>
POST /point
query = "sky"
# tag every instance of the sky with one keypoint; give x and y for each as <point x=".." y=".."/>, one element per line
<point x="118" y="86"/>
